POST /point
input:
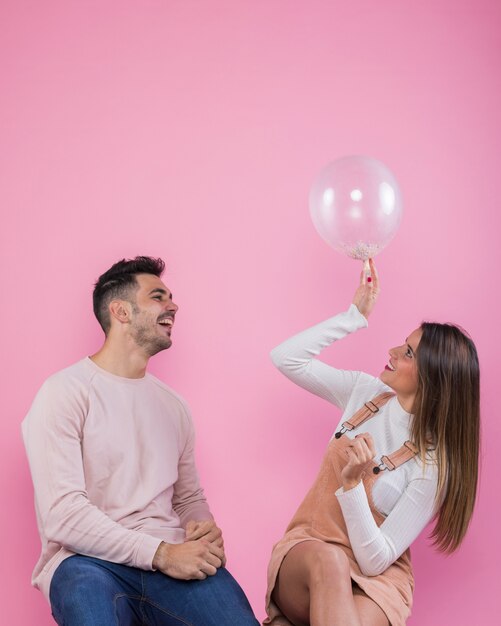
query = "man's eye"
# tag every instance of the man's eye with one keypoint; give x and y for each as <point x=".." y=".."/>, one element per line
<point x="157" y="297"/>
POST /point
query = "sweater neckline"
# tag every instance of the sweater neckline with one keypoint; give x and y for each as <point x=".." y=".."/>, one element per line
<point x="398" y="413"/>
<point x="115" y="377"/>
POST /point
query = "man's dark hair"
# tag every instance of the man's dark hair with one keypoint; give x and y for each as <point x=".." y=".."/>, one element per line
<point x="120" y="282"/>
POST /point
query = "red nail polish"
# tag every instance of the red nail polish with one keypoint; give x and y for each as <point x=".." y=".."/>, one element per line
<point x="369" y="280"/>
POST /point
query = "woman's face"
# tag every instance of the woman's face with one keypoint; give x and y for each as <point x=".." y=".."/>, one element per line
<point x="401" y="371"/>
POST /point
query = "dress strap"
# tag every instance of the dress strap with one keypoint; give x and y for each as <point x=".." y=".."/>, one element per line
<point x="369" y="409"/>
<point x="397" y="458"/>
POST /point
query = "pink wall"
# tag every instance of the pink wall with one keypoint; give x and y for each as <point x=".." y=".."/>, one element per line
<point x="192" y="130"/>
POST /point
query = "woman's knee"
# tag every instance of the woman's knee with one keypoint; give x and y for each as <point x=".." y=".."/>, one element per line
<point x="328" y="563"/>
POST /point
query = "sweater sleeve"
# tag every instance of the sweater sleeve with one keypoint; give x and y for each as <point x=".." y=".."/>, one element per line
<point x="52" y="434"/>
<point x="295" y="358"/>
<point x="188" y="499"/>
<point x="376" y="548"/>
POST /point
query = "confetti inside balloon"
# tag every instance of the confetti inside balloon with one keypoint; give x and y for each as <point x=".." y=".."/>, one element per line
<point x="356" y="206"/>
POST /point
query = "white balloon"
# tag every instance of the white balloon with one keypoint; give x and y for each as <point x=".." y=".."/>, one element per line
<point x="356" y="206"/>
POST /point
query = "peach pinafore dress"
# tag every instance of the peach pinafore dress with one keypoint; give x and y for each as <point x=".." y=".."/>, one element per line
<point x="319" y="518"/>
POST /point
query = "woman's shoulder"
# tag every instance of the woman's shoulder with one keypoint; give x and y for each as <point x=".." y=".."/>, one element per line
<point x="368" y="387"/>
<point x="425" y="467"/>
<point x="365" y="388"/>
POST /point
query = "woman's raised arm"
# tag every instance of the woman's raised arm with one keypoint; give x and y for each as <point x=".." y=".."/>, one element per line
<point x="296" y="357"/>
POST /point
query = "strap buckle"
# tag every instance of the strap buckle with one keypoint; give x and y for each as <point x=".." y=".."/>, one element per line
<point x="380" y="468"/>
<point x="340" y="432"/>
<point x="373" y="408"/>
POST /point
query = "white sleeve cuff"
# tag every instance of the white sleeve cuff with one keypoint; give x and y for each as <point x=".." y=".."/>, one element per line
<point x="355" y="506"/>
<point x="359" y="320"/>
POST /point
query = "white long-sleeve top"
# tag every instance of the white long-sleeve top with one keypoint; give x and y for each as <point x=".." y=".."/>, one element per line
<point x="405" y="496"/>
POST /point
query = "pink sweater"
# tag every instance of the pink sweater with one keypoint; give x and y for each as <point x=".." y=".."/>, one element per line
<point x="112" y="462"/>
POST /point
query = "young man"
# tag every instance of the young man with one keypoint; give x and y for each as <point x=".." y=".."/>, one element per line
<point x="127" y="535"/>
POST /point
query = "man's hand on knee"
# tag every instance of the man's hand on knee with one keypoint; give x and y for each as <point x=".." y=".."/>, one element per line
<point x="192" y="560"/>
<point x="208" y="530"/>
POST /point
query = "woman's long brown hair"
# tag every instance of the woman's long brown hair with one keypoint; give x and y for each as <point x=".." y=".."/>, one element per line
<point x="447" y="418"/>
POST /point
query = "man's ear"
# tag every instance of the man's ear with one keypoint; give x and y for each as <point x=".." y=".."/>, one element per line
<point x="120" y="310"/>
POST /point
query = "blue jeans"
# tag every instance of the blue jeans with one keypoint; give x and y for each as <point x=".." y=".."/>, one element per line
<point x="85" y="591"/>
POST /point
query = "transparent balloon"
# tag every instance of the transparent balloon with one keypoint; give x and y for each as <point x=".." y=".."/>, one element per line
<point x="356" y="206"/>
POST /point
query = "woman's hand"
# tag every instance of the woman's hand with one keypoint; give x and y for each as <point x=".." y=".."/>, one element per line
<point x="368" y="291"/>
<point x="360" y="453"/>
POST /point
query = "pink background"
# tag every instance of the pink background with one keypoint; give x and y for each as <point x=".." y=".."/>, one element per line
<point x="192" y="131"/>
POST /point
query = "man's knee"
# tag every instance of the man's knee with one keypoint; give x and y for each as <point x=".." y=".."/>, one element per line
<point x="230" y="604"/>
<point x="80" y="575"/>
<point x="79" y="590"/>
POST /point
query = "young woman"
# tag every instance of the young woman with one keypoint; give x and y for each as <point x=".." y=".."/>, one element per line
<point x="405" y="451"/>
